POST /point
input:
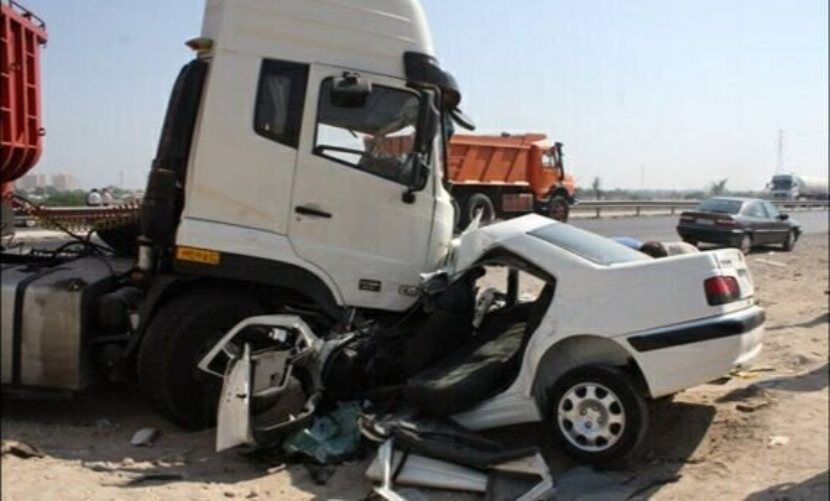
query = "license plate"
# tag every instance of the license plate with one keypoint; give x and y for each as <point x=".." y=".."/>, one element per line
<point x="705" y="221"/>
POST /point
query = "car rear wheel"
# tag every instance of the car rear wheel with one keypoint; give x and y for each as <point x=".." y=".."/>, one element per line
<point x="789" y="242"/>
<point x="745" y="244"/>
<point x="691" y="241"/>
<point x="598" y="414"/>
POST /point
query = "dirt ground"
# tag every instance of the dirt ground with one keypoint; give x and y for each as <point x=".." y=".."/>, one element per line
<point x="761" y="434"/>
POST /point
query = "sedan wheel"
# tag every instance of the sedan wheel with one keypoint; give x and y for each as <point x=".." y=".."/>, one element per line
<point x="598" y="414"/>
<point x="591" y="417"/>
<point x="789" y="242"/>
<point x="746" y="244"/>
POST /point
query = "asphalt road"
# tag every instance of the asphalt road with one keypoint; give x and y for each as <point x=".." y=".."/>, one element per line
<point x="662" y="228"/>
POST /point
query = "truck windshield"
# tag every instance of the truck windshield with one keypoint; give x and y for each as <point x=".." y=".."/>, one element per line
<point x="720" y="206"/>
<point x="587" y="245"/>
<point x="782" y="183"/>
<point x="376" y="138"/>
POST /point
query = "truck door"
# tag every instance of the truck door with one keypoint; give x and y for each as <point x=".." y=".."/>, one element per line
<point x="349" y="216"/>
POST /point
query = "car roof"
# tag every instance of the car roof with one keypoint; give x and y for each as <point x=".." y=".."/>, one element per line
<point x="736" y="199"/>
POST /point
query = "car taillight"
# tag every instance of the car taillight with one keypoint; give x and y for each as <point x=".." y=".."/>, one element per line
<point x="721" y="290"/>
<point x="729" y="223"/>
<point x="686" y="219"/>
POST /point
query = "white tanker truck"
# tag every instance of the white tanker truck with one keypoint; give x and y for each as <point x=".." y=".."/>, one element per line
<point x="795" y="187"/>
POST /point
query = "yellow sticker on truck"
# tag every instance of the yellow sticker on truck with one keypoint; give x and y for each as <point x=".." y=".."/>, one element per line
<point x="195" y="255"/>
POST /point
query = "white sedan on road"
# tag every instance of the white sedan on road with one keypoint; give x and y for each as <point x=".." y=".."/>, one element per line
<point x="608" y="329"/>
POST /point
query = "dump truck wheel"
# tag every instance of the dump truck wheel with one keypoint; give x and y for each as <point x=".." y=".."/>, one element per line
<point x="456" y="215"/>
<point x="180" y="334"/>
<point x="559" y="209"/>
<point x="598" y="414"/>
<point x="477" y="202"/>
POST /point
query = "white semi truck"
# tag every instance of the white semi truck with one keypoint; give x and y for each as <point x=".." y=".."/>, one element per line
<point x="263" y="197"/>
<point x="795" y="187"/>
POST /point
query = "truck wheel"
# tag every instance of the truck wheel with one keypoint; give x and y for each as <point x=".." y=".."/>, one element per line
<point x="179" y="335"/>
<point x="456" y="216"/>
<point x="559" y="209"/>
<point x="477" y="202"/>
<point x="745" y="245"/>
<point x="598" y="414"/>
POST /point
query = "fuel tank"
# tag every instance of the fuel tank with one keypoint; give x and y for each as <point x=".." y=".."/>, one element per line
<point x="47" y="313"/>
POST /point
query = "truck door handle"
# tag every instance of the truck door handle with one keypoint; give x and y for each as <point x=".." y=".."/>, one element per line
<point x="310" y="211"/>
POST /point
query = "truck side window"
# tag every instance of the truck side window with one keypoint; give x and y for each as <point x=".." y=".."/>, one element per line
<point x="376" y="138"/>
<point x="279" y="101"/>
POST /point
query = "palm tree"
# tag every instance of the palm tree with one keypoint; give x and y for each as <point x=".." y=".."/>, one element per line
<point x="717" y="188"/>
<point x="596" y="186"/>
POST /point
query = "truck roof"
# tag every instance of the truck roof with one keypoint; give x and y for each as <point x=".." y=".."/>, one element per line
<point x="370" y="35"/>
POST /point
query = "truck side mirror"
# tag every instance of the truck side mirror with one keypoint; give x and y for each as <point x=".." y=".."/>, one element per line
<point x="783" y="217"/>
<point x="349" y="91"/>
<point x="427" y="124"/>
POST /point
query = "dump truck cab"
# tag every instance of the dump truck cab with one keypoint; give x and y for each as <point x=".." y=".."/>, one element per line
<point x="287" y="106"/>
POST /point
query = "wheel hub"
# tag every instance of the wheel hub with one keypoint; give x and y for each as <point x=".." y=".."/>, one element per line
<point x="591" y="417"/>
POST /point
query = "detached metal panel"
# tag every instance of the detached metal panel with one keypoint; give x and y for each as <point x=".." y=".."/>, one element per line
<point x="21" y="36"/>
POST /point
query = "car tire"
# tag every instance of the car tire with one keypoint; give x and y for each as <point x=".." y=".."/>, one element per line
<point x="480" y="201"/>
<point x="559" y="209"/>
<point x="745" y="243"/>
<point x="691" y="241"/>
<point x="789" y="242"/>
<point x="598" y="415"/>
<point x="178" y="336"/>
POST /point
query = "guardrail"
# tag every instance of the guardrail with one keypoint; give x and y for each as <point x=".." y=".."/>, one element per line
<point x="638" y="207"/>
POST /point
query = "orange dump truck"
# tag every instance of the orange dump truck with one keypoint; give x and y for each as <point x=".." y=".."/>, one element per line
<point x="21" y="36"/>
<point x="508" y="175"/>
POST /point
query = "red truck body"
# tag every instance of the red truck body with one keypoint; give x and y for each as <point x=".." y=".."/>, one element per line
<point x="21" y="36"/>
<point x="509" y="175"/>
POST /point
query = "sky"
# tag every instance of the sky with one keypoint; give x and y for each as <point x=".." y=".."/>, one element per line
<point x="660" y="94"/>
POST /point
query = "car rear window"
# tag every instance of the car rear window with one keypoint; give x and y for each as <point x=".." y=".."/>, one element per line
<point x="720" y="206"/>
<point x="587" y="245"/>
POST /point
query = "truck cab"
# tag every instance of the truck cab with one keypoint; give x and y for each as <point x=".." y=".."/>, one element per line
<point x="299" y="169"/>
<point x="286" y="163"/>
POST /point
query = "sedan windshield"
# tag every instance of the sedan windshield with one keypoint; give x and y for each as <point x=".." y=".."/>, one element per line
<point x="587" y="245"/>
<point x="720" y="206"/>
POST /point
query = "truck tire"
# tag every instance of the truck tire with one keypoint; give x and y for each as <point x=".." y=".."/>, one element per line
<point x="480" y="201"/>
<point x="598" y="414"/>
<point x="179" y="335"/>
<point x="456" y="215"/>
<point x="559" y="209"/>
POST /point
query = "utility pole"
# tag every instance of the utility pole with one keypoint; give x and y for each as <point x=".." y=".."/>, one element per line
<point x="779" y="165"/>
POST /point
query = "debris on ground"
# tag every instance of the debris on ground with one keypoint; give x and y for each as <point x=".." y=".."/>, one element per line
<point x="331" y="438"/>
<point x="778" y="440"/>
<point x="777" y="264"/>
<point x="752" y="407"/>
<point x="20" y="449"/>
<point x="144" y="437"/>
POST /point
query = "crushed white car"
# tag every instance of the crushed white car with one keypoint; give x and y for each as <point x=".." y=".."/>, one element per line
<point x="609" y="329"/>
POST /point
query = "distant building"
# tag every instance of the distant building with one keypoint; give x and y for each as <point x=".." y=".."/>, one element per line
<point x="64" y="182"/>
<point x="26" y="183"/>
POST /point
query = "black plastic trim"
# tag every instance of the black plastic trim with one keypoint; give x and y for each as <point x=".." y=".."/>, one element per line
<point x="256" y="270"/>
<point x="705" y="332"/>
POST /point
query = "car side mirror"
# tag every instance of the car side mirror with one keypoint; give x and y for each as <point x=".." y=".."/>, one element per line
<point x="350" y="91"/>
<point x="783" y="217"/>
